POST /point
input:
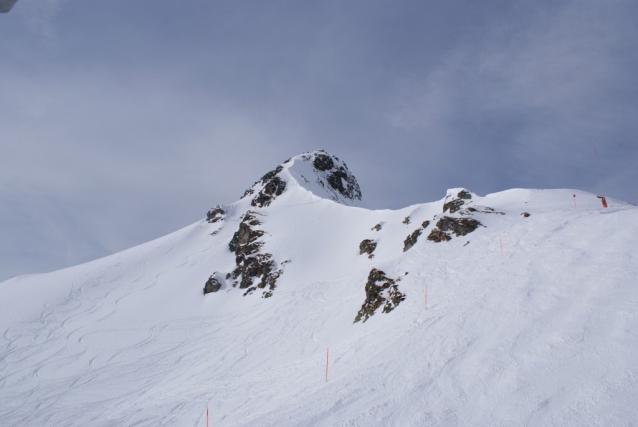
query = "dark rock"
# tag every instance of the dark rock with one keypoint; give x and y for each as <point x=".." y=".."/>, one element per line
<point x="273" y="188"/>
<point x="212" y="285"/>
<point x="458" y="226"/>
<point x="216" y="214"/>
<point x="453" y="205"/>
<point x="438" y="236"/>
<point x="367" y="246"/>
<point x="380" y="291"/>
<point x="525" y="214"/>
<point x="323" y="162"/>
<point x="244" y="240"/>
<point x="425" y="224"/>
<point x="406" y="220"/>
<point x="464" y="194"/>
<point x="377" y="227"/>
<point x="411" y="239"/>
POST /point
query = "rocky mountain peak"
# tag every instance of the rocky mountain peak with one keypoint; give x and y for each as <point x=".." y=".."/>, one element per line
<point x="317" y="171"/>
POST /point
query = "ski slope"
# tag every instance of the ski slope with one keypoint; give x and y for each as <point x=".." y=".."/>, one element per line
<point x="540" y="332"/>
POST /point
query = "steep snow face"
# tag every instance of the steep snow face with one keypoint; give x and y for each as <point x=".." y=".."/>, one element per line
<point x="318" y="172"/>
<point x="499" y="319"/>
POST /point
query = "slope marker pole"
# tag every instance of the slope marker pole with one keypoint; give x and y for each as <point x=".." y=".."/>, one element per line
<point x="327" y="357"/>
<point x="501" y="241"/>
<point x="575" y="201"/>
<point x="207" y="416"/>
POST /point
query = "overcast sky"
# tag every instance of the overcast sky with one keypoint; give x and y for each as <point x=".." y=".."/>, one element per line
<point x="122" y="121"/>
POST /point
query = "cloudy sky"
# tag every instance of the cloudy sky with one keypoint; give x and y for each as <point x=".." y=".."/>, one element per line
<point x="122" y="121"/>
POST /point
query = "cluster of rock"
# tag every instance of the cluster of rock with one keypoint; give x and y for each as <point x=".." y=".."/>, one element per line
<point x="456" y="226"/>
<point x="457" y="223"/>
<point x="253" y="269"/>
<point x="334" y="176"/>
<point x="412" y="238"/>
<point x="367" y="246"/>
<point x="272" y="185"/>
<point x="381" y="291"/>
<point x="216" y="214"/>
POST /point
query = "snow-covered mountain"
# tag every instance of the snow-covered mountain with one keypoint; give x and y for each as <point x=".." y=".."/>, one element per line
<point x="516" y="308"/>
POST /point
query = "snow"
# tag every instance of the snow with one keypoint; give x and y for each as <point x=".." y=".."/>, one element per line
<point x="542" y="333"/>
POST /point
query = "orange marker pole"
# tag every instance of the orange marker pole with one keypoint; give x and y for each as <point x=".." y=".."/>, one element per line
<point x="327" y="356"/>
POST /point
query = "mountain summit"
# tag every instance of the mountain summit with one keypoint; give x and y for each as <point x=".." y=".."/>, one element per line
<point x="318" y="172"/>
<point x="514" y="308"/>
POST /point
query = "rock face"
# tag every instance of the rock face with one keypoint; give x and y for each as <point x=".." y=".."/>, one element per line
<point x="438" y="236"/>
<point x="216" y="214"/>
<point x="457" y="226"/>
<point x="455" y="204"/>
<point x="380" y="291"/>
<point x="334" y="176"/>
<point x="367" y="246"/>
<point x="412" y="238"/>
<point x="253" y="269"/>
<point x="272" y="186"/>
<point x="251" y="265"/>
<point x="212" y="285"/>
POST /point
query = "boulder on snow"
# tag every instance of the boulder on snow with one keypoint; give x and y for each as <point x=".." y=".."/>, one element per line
<point x="367" y="246"/>
<point x="380" y="291"/>
<point x="212" y="285"/>
<point x="216" y="214"/>
<point x="455" y="204"/>
<point x="438" y="236"/>
<point x="411" y="239"/>
<point x="458" y="226"/>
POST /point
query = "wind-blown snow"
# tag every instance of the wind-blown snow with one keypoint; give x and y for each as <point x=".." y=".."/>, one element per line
<point x="542" y="333"/>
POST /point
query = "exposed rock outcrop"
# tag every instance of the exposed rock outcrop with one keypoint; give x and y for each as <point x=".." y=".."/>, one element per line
<point x="367" y="246"/>
<point x="453" y="225"/>
<point x="457" y="226"/>
<point x="380" y="291"/>
<point x="273" y="186"/>
<point x="412" y="238"/>
<point x="253" y="269"/>
<point x="216" y="214"/>
<point x="438" y="236"/>
<point x="455" y="204"/>
<point x="333" y="175"/>
<point x="212" y="285"/>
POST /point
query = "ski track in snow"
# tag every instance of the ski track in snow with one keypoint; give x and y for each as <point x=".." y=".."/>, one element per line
<point x="542" y="334"/>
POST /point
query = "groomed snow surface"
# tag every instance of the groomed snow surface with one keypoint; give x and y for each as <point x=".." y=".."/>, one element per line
<point x="540" y="333"/>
